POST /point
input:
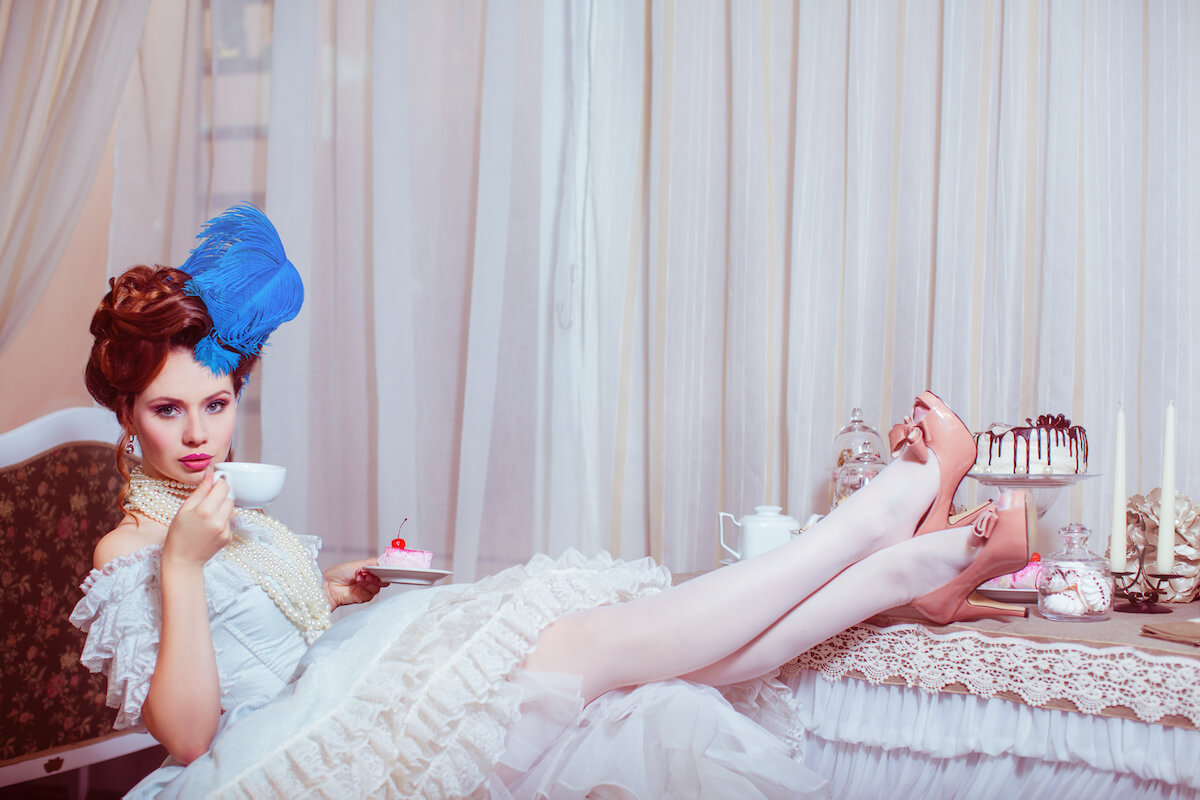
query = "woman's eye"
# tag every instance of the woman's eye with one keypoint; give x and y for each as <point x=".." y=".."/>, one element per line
<point x="217" y="405"/>
<point x="166" y="411"/>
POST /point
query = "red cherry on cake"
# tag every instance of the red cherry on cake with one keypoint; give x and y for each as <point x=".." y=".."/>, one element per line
<point x="398" y="544"/>
<point x="1035" y="557"/>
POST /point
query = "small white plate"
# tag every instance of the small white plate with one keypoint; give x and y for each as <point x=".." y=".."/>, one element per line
<point x="413" y="577"/>
<point x="1009" y="595"/>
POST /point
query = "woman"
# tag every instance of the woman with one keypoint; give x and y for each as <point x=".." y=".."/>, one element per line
<point x="556" y="679"/>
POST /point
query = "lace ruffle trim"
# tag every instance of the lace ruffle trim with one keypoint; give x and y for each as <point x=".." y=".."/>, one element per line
<point x="121" y="614"/>
<point x="151" y="554"/>
<point x="430" y="719"/>
<point x="1092" y="679"/>
<point x="773" y="706"/>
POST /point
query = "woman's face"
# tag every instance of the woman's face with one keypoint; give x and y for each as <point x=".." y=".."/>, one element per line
<point x="184" y="419"/>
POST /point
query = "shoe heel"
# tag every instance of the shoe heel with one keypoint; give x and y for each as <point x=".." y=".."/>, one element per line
<point x="973" y="607"/>
<point x="976" y="606"/>
<point x="1005" y="549"/>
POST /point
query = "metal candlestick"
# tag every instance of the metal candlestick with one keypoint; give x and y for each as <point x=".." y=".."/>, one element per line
<point x="1141" y="601"/>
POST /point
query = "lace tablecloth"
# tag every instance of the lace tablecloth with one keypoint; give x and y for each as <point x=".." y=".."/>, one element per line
<point x="1103" y="668"/>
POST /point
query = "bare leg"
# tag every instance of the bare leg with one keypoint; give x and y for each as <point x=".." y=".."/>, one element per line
<point x="881" y="581"/>
<point x="713" y="616"/>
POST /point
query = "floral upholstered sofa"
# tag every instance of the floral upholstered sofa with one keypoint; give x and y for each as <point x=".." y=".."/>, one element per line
<point x="58" y="490"/>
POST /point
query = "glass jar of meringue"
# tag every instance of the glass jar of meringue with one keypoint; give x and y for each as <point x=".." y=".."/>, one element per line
<point x="1076" y="585"/>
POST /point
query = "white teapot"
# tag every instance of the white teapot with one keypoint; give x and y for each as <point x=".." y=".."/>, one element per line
<point x="762" y="531"/>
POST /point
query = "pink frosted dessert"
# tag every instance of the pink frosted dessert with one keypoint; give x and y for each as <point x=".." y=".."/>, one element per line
<point x="1024" y="578"/>
<point x="398" y="555"/>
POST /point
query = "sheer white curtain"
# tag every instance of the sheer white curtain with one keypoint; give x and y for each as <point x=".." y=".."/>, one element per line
<point x="62" y="67"/>
<point x="158" y="158"/>
<point x="583" y="274"/>
<point x="319" y="401"/>
<point x="191" y="132"/>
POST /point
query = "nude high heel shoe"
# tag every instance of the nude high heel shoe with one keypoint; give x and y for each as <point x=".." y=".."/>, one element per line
<point x="1004" y="529"/>
<point x="933" y="426"/>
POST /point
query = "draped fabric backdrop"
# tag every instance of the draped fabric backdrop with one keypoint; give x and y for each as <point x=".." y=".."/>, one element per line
<point x="62" y="68"/>
<point x="586" y="273"/>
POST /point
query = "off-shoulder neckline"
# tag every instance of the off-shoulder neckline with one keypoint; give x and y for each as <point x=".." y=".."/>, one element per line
<point x="144" y="553"/>
<point x="151" y="552"/>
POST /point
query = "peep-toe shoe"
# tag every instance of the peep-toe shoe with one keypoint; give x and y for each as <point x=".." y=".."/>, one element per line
<point x="933" y="426"/>
<point x="1004" y="529"/>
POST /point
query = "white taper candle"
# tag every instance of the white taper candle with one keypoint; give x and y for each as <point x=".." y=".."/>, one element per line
<point x="1165" y="562"/>
<point x="1116" y="546"/>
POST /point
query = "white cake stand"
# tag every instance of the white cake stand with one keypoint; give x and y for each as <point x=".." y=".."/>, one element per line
<point x="1044" y="488"/>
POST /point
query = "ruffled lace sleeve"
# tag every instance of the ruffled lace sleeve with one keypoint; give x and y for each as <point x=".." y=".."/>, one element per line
<point x="121" y="613"/>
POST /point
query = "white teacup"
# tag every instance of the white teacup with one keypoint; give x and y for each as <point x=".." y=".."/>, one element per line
<point x="251" y="485"/>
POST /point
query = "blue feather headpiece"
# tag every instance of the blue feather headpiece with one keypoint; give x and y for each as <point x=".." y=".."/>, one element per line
<point x="244" y="278"/>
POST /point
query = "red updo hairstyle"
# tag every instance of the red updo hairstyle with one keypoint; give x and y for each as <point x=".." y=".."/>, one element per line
<point x="145" y="315"/>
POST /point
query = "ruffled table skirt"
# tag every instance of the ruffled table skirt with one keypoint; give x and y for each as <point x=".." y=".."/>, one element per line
<point x="886" y="741"/>
<point x="1000" y="709"/>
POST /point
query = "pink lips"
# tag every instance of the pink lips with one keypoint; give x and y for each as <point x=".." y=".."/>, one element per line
<point x="197" y="462"/>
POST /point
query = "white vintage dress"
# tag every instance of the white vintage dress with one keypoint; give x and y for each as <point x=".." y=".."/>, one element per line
<point x="421" y="694"/>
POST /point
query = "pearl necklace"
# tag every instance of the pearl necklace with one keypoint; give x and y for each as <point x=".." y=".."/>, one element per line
<point x="287" y="575"/>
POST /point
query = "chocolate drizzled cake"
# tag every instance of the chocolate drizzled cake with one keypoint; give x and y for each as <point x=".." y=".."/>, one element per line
<point x="1046" y="446"/>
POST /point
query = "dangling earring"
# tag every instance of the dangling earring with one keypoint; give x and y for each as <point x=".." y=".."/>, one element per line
<point x="129" y="447"/>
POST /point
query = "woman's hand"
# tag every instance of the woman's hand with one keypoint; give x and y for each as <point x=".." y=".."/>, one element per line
<point x="350" y="583"/>
<point x="201" y="528"/>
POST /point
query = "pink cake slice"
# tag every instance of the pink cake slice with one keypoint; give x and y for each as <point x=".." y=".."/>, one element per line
<point x="398" y="555"/>
<point x="1024" y="578"/>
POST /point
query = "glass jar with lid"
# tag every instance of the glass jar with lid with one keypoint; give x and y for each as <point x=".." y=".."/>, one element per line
<point x="857" y="472"/>
<point x="855" y="439"/>
<point x="1075" y="584"/>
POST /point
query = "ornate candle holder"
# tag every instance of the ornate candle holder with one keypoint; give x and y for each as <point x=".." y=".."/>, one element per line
<point x="1141" y="601"/>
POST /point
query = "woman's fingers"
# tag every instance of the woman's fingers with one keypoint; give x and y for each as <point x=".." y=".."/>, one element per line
<point x="211" y="498"/>
<point x="201" y="491"/>
<point x="201" y="527"/>
<point x="210" y="490"/>
<point x="364" y="578"/>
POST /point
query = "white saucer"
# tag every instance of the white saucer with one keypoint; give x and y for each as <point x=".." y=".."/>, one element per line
<point x="413" y="577"/>
<point x="1009" y="595"/>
